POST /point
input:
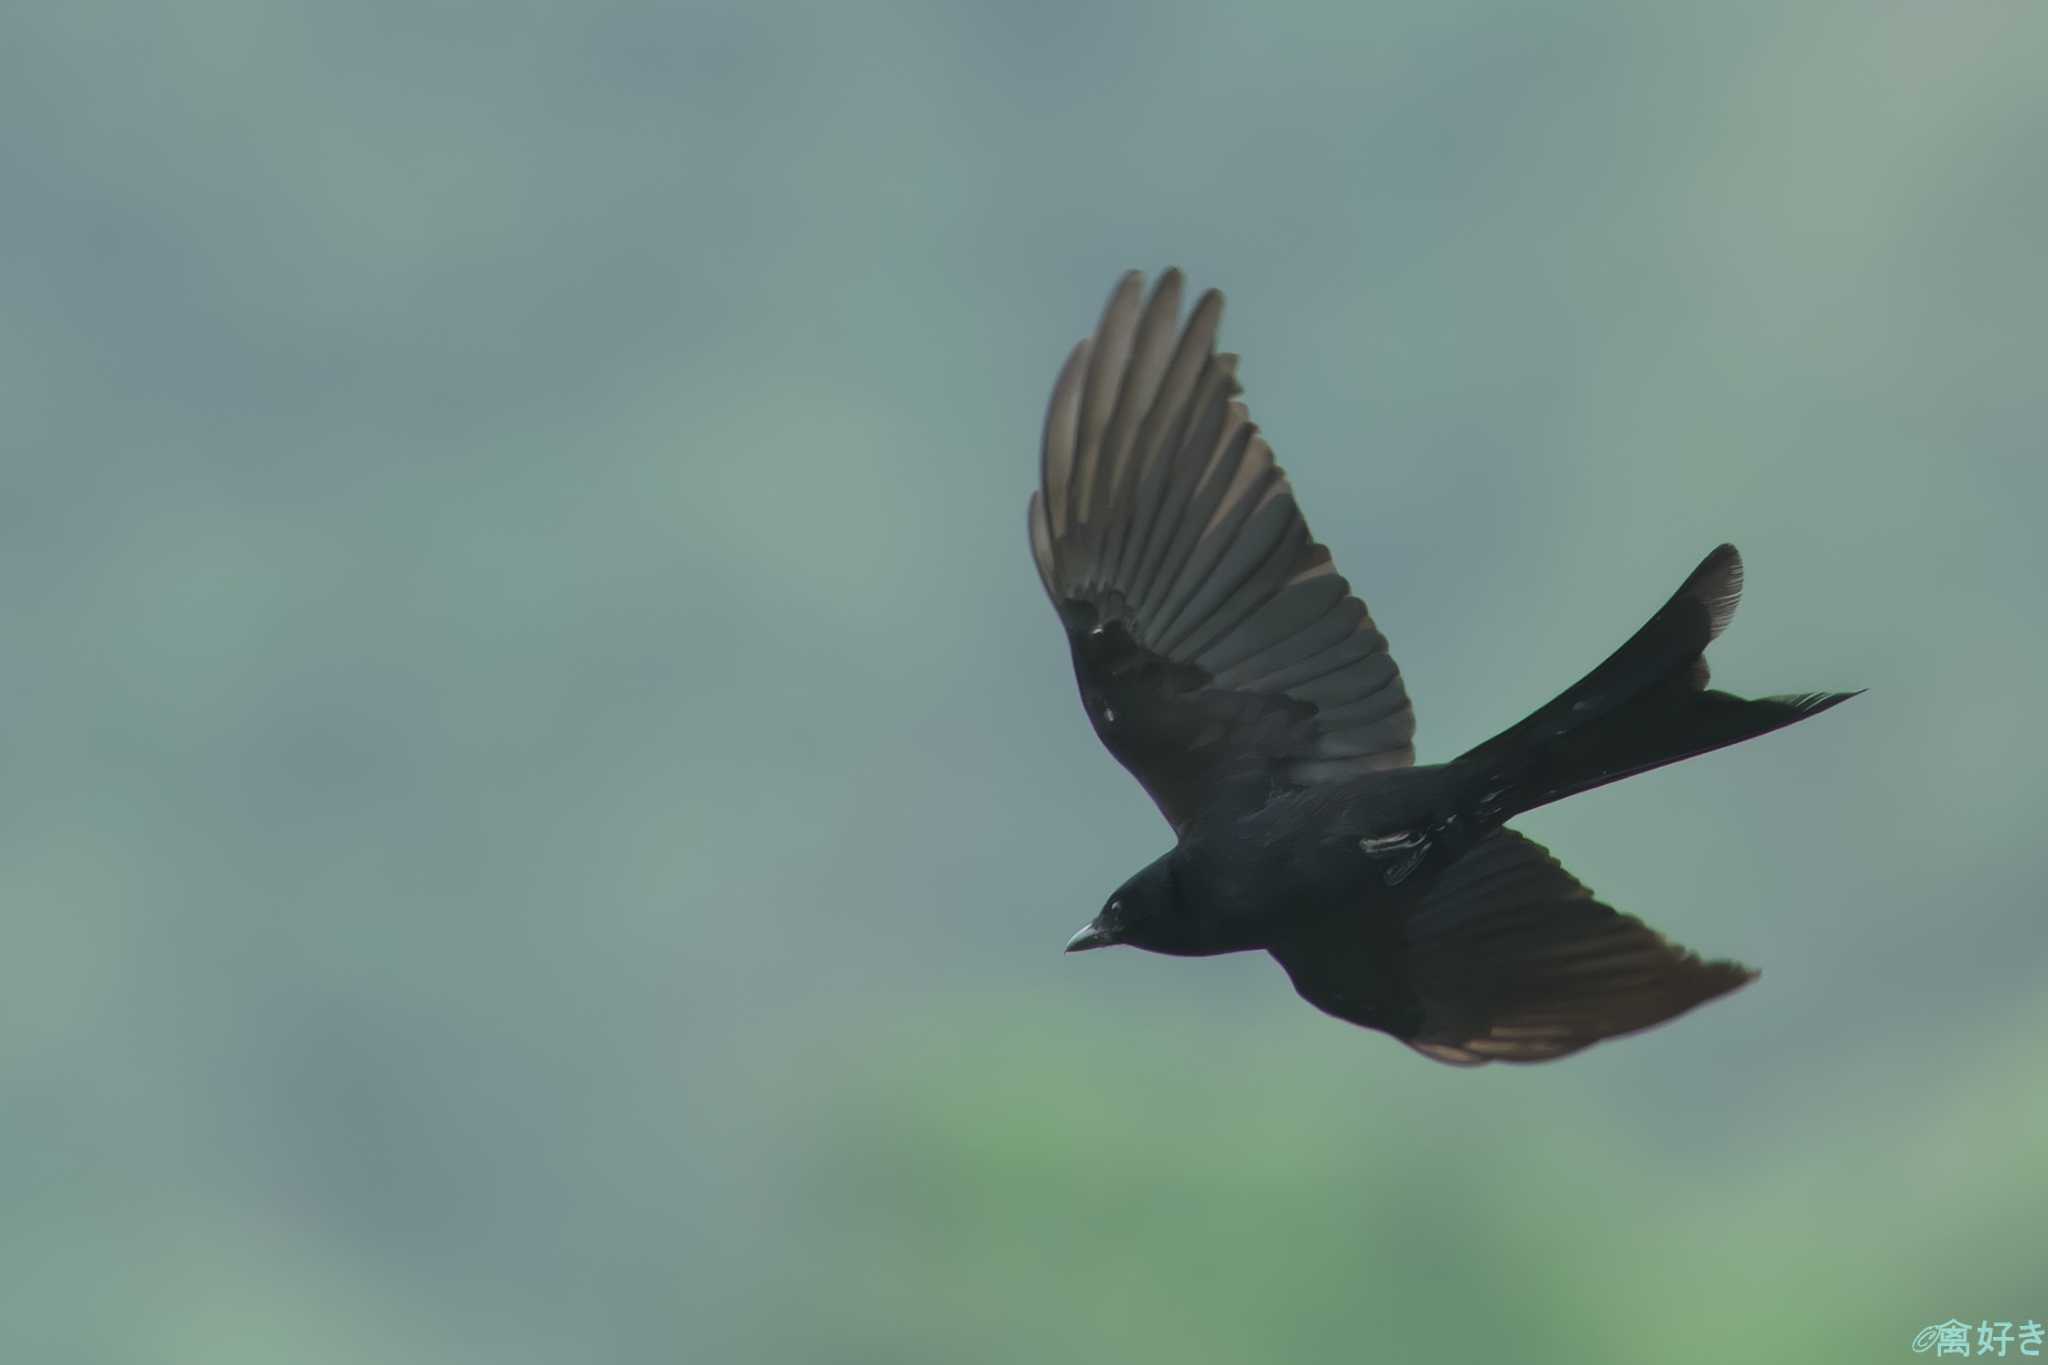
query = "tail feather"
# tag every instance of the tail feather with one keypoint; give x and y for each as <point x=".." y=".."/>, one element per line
<point x="1645" y="706"/>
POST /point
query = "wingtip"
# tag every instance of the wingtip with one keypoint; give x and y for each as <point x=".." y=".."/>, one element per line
<point x="1130" y="286"/>
<point x="1172" y="279"/>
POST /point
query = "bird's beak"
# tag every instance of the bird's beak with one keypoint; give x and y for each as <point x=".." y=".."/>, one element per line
<point x="1092" y="935"/>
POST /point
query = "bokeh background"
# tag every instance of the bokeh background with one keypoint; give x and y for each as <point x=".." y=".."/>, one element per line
<point x="541" y="797"/>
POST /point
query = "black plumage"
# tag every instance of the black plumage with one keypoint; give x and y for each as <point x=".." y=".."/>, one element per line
<point x="1226" y="663"/>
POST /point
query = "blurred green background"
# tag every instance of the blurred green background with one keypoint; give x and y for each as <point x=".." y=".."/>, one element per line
<point x="543" y="798"/>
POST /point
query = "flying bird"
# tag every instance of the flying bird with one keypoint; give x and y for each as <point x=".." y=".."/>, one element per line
<point x="1225" y="662"/>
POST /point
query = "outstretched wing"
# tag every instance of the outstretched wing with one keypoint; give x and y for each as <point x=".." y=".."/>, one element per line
<point x="1506" y="958"/>
<point x="1213" y="640"/>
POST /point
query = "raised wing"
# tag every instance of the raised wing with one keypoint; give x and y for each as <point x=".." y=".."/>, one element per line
<point x="1213" y="640"/>
<point x="1506" y="958"/>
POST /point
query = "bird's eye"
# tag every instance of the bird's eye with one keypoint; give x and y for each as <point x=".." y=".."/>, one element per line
<point x="1116" y="907"/>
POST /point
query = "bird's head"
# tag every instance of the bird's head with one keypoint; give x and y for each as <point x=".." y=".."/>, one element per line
<point x="1145" y="912"/>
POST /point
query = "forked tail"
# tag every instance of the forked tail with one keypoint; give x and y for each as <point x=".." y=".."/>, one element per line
<point x="1646" y="706"/>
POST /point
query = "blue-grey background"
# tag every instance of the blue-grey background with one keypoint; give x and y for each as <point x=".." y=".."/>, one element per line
<point x="541" y="797"/>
